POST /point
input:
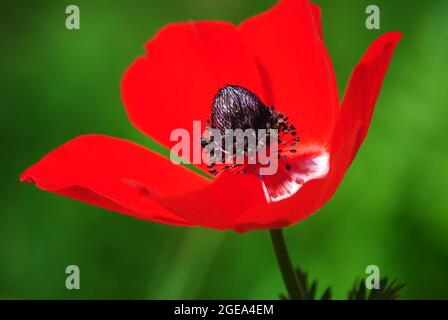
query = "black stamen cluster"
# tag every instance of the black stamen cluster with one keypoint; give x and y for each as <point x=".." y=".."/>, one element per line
<point x="235" y="107"/>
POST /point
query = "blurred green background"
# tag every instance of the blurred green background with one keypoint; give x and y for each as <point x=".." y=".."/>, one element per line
<point x="391" y="210"/>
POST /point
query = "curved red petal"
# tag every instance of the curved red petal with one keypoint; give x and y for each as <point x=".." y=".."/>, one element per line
<point x="309" y="163"/>
<point x="350" y="131"/>
<point x="358" y="105"/>
<point x="303" y="202"/>
<point x="296" y="67"/>
<point x="220" y="204"/>
<point x="185" y="66"/>
<point x="241" y="201"/>
<point x="114" y="174"/>
<point x="317" y="18"/>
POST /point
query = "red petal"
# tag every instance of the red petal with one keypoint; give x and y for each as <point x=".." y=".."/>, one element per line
<point x="186" y="65"/>
<point x="358" y="104"/>
<point x="239" y="201"/>
<point x="114" y="174"/>
<point x="350" y="131"/>
<point x="317" y="18"/>
<point x="296" y="66"/>
<point x="220" y="204"/>
<point x="310" y="163"/>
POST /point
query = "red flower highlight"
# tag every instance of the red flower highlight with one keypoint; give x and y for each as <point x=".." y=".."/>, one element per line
<point x="278" y="55"/>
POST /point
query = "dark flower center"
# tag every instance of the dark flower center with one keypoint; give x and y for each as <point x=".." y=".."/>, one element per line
<point x="235" y="107"/>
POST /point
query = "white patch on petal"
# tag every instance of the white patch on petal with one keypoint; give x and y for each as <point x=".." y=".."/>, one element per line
<point x="286" y="183"/>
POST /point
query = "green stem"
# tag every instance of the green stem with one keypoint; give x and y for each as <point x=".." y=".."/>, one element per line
<point x="292" y="284"/>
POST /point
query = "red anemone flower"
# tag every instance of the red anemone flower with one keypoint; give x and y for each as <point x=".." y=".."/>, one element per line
<point x="280" y="59"/>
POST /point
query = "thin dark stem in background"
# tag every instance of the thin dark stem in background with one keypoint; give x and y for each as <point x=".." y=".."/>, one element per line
<point x="292" y="284"/>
